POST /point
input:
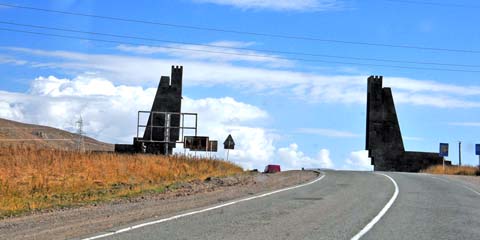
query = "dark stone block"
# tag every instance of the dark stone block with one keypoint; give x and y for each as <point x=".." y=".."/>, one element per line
<point x="383" y="136"/>
<point x="124" y="148"/>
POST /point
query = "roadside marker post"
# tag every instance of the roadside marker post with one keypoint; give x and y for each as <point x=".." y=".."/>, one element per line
<point x="477" y="152"/>
<point x="443" y="152"/>
<point x="460" y="153"/>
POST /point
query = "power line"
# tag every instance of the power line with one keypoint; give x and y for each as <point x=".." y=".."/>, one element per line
<point x="439" y="4"/>
<point x="237" y="54"/>
<point x="283" y="36"/>
<point x="236" y="48"/>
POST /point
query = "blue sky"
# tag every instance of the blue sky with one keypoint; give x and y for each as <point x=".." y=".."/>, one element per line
<point x="281" y="109"/>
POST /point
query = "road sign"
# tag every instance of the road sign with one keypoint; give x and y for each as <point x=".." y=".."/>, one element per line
<point x="188" y="141"/>
<point x="195" y="143"/>
<point x="477" y="149"/>
<point x="229" y="143"/>
<point x="213" y="146"/>
<point x="443" y="150"/>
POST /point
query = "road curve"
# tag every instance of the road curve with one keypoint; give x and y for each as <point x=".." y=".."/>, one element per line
<point x="430" y="207"/>
<point x="337" y="207"/>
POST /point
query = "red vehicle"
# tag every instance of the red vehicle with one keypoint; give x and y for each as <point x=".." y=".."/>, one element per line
<point x="272" y="168"/>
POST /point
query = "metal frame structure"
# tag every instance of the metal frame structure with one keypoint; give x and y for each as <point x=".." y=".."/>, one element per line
<point x="167" y="126"/>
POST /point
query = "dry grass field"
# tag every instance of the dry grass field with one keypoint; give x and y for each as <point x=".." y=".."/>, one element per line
<point x="34" y="179"/>
<point x="453" y="170"/>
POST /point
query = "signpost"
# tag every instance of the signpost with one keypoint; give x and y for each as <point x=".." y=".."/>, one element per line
<point x="443" y="152"/>
<point x="229" y="144"/>
<point x="212" y="147"/>
<point x="195" y="143"/>
<point x="477" y="152"/>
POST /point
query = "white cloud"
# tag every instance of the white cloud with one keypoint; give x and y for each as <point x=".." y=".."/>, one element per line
<point x="110" y="113"/>
<point x="412" y="85"/>
<point x="219" y="117"/>
<point x="309" y="87"/>
<point x="291" y="158"/>
<point x="10" y="60"/>
<point x="220" y="51"/>
<point x="328" y="132"/>
<point x="465" y="124"/>
<point x="358" y="160"/>
<point x="281" y="5"/>
<point x="413" y="138"/>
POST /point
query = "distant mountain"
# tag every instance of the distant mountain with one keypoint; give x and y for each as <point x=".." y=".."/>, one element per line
<point x="15" y="134"/>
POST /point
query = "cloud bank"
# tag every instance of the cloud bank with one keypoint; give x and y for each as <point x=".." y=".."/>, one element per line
<point x="210" y="71"/>
<point x="281" y="5"/>
<point x="109" y="114"/>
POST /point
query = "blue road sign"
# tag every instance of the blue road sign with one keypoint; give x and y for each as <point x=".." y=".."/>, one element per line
<point x="443" y="150"/>
<point x="477" y="149"/>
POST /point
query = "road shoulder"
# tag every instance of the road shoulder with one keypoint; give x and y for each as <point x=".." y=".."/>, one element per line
<point x="61" y="224"/>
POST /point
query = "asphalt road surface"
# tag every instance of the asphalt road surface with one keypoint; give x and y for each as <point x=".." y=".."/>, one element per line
<point x="339" y="206"/>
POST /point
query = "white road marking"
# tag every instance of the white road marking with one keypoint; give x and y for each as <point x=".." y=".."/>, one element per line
<point x="381" y="213"/>
<point x="202" y="210"/>
<point x="471" y="189"/>
<point x="457" y="183"/>
<point x="441" y="179"/>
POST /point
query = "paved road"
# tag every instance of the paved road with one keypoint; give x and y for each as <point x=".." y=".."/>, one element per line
<point x="430" y="207"/>
<point x="337" y="207"/>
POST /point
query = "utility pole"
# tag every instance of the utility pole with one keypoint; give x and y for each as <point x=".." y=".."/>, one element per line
<point x="459" y="153"/>
<point x="80" y="143"/>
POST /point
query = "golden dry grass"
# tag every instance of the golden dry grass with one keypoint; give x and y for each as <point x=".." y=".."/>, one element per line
<point x="33" y="179"/>
<point x="453" y="170"/>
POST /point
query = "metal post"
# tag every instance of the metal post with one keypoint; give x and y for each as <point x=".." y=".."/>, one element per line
<point x="196" y="120"/>
<point x="183" y="126"/>
<point x="228" y="151"/>
<point x="478" y="161"/>
<point x="166" y="133"/>
<point x="459" y="153"/>
<point x="138" y="122"/>
<point x="151" y="125"/>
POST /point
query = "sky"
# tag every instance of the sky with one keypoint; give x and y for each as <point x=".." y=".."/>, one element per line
<point x="286" y="78"/>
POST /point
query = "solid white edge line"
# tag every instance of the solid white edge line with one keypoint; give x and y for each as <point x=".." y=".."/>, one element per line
<point x="456" y="182"/>
<point x="381" y="213"/>
<point x="202" y="210"/>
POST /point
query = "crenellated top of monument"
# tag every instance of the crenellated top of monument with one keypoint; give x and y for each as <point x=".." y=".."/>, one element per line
<point x="177" y="75"/>
<point x="375" y="78"/>
<point x="175" y="80"/>
<point x="375" y="82"/>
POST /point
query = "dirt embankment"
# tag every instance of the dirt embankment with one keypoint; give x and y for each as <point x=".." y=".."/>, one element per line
<point x="75" y="222"/>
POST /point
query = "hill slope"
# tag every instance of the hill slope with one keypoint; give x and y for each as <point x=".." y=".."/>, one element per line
<point x="15" y="133"/>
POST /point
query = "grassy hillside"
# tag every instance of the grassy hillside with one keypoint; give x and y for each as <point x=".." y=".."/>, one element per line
<point x="19" y="134"/>
<point x="453" y="170"/>
<point x="35" y="178"/>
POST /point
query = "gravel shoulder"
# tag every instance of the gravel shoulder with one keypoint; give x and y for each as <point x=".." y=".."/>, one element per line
<point x="81" y="221"/>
